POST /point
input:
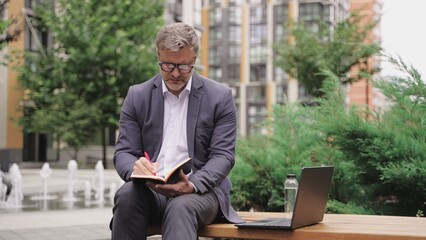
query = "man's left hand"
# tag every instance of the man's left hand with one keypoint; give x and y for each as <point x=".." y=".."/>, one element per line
<point x="183" y="186"/>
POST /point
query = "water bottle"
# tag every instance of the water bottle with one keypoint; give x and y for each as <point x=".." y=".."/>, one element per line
<point x="290" y="191"/>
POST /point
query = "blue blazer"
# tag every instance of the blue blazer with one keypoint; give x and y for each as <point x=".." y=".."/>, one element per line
<point x="211" y="134"/>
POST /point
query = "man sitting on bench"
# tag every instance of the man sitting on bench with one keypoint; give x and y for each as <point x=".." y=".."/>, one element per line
<point x="174" y="116"/>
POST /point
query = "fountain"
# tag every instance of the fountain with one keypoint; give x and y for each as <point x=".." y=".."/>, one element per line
<point x="3" y="191"/>
<point x="45" y="173"/>
<point x="111" y="194"/>
<point x="87" y="193"/>
<point x="72" y="177"/>
<point x="15" y="197"/>
<point x="91" y="192"/>
<point x="98" y="182"/>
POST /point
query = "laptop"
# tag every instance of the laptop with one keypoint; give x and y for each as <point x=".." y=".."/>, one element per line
<point x="310" y="203"/>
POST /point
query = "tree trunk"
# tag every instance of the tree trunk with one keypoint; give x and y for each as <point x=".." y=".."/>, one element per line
<point x="104" y="146"/>
<point x="58" y="150"/>
<point x="75" y="157"/>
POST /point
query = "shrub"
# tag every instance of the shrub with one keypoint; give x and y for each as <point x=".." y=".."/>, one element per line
<point x="379" y="158"/>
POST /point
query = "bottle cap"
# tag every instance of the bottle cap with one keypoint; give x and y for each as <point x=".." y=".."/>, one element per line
<point x="289" y="175"/>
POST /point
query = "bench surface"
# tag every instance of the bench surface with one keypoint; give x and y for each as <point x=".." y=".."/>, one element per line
<point x="333" y="227"/>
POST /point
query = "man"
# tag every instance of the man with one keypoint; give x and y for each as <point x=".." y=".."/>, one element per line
<point x="175" y="115"/>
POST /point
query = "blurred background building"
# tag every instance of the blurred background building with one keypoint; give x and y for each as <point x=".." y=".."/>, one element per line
<point x="236" y="50"/>
<point x="240" y="35"/>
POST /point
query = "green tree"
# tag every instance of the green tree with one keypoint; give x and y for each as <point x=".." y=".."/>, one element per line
<point x="53" y="108"/>
<point x="338" y="50"/>
<point x="404" y="172"/>
<point x="99" y="49"/>
<point x="9" y="29"/>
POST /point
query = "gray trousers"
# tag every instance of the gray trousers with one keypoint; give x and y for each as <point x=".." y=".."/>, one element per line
<point x="136" y="206"/>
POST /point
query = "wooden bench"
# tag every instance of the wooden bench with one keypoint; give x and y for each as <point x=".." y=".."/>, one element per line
<point x="333" y="227"/>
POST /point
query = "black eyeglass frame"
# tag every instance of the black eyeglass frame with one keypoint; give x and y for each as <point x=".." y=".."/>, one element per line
<point x="178" y="66"/>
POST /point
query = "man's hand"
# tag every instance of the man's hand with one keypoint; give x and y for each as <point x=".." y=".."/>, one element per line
<point x="183" y="186"/>
<point x="144" y="167"/>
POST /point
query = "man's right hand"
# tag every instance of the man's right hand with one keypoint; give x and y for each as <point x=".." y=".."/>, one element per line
<point x="183" y="186"/>
<point x="144" y="167"/>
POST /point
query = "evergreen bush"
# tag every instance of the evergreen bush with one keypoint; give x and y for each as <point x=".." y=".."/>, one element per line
<point x="379" y="157"/>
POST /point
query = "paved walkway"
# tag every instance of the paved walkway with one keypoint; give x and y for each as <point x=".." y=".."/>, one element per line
<point x="56" y="224"/>
<point x="56" y="220"/>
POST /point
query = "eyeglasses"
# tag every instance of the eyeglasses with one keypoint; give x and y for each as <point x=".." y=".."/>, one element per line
<point x="169" y="67"/>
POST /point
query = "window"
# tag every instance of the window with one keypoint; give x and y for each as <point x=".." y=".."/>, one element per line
<point x="313" y="27"/>
<point x="235" y="2"/>
<point x="326" y="13"/>
<point x="215" y="73"/>
<point x="256" y="114"/>
<point x="258" y="54"/>
<point x="253" y="2"/>
<point x="235" y="92"/>
<point x="281" y="92"/>
<point x="216" y="16"/>
<point x="215" y="55"/>
<point x="258" y="73"/>
<point x="310" y="12"/>
<point x="280" y="22"/>
<point x="235" y="15"/>
<point x="215" y="36"/>
<point x="215" y="3"/>
<point x="280" y="32"/>
<point x="256" y="94"/>
<point x="233" y="73"/>
<point x="280" y="75"/>
<point x="32" y="3"/>
<point x="258" y="34"/>
<point x="33" y="39"/>
<point x="258" y="14"/>
<point x="235" y="34"/>
<point x="281" y="13"/>
<point x="234" y="53"/>
<point x="197" y="13"/>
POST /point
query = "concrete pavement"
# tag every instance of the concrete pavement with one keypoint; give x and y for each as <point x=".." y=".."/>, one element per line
<point x="88" y="224"/>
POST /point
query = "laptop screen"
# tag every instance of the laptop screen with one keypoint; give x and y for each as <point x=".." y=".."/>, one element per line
<point x="310" y="202"/>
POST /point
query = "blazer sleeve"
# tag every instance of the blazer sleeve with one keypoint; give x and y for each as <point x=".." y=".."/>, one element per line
<point x="129" y="143"/>
<point x="216" y="142"/>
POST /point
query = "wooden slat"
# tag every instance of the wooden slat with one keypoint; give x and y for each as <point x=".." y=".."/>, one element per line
<point x="334" y="226"/>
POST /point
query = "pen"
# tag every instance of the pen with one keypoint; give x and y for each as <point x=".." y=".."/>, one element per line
<point x="145" y="154"/>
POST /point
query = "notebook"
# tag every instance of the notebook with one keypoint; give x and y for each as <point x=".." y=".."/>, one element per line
<point x="311" y="200"/>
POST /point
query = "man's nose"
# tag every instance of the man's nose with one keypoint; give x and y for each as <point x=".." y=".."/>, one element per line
<point x="175" y="72"/>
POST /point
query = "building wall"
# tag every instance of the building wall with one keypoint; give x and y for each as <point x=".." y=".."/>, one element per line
<point x="3" y="101"/>
<point x="362" y="93"/>
<point x="11" y="133"/>
<point x="241" y="35"/>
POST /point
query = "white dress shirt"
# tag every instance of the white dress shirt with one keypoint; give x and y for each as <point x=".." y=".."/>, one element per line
<point x="174" y="148"/>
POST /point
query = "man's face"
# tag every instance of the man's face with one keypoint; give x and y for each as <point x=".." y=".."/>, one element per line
<point x="176" y="80"/>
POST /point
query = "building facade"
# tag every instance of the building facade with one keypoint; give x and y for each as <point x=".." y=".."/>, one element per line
<point x="239" y="36"/>
<point x="362" y="92"/>
<point x="11" y="135"/>
<point x="236" y="49"/>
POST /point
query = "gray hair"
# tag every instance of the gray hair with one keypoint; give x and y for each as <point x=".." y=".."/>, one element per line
<point x="176" y="36"/>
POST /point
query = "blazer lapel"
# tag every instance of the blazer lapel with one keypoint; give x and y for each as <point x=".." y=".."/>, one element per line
<point x="193" y="111"/>
<point x="157" y="116"/>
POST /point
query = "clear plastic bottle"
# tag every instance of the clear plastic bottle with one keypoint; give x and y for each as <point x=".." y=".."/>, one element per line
<point x="290" y="191"/>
